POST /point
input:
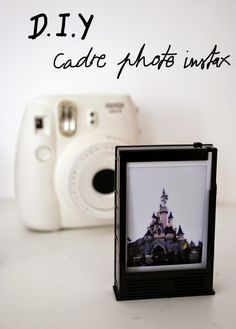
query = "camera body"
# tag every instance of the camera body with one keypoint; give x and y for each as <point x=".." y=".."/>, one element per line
<point x="64" y="172"/>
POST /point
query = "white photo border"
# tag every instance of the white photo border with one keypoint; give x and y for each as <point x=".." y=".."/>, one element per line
<point x="158" y="164"/>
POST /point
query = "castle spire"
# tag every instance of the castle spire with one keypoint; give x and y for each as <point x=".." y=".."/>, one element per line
<point x="170" y="218"/>
<point x="163" y="209"/>
<point x="180" y="231"/>
<point x="170" y="215"/>
<point x="164" y="198"/>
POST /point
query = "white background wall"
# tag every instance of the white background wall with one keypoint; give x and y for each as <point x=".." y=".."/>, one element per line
<point x="177" y="106"/>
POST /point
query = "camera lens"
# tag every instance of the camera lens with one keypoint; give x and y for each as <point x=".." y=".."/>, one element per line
<point x="103" y="181"/>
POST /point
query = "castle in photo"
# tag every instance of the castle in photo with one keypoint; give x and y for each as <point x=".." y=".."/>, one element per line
<point x="163" y="243"/>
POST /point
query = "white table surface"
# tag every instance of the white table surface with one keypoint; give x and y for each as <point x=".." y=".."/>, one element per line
<point x="64" y="280"/>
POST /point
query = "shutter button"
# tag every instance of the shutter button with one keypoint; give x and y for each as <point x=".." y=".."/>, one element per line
<point x="44" y="153"/>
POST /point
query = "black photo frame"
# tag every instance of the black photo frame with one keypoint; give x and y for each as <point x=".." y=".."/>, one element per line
<point x="164" y="248"/>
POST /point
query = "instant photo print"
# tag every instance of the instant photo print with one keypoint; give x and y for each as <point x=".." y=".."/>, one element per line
<point x="165" y="201"/>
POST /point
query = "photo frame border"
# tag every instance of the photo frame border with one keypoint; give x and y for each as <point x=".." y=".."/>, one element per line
<point x="166" y="283"/>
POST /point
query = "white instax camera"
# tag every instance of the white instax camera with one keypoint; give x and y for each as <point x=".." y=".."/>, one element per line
<point x="65" y="159"/>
